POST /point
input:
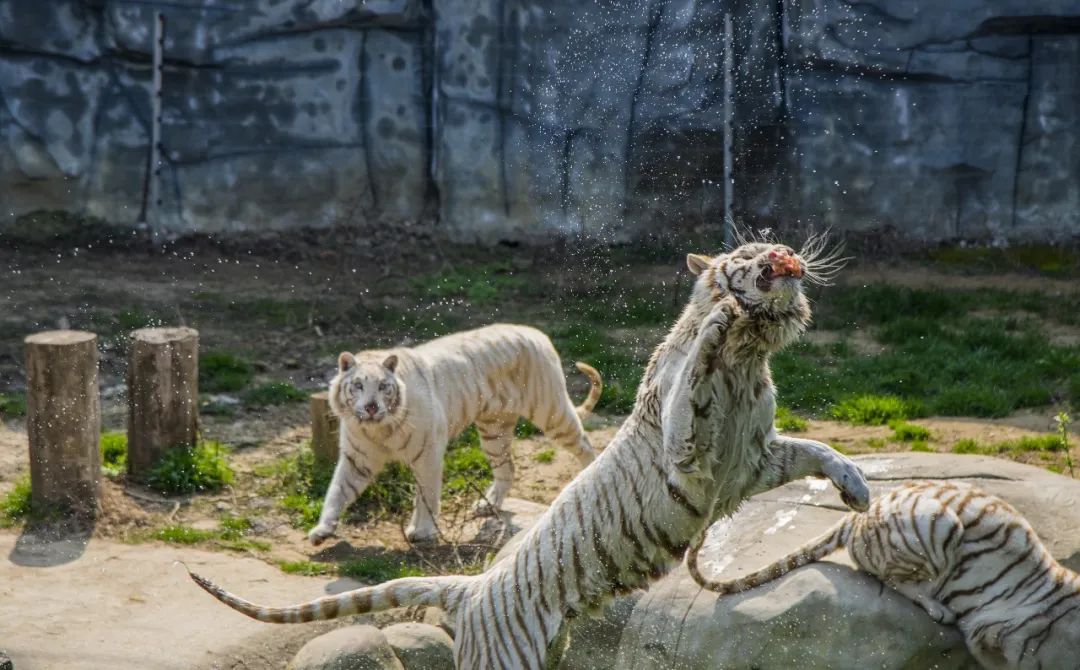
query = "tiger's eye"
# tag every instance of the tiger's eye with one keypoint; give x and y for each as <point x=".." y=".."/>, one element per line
<point x="382" y="386"/>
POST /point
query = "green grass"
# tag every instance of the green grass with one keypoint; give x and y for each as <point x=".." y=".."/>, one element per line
<point x="1029" y="443"/>
<point x="12" y="405"/>
<point x="480" y="285"/>
<point x="231" y="535"/>
<point x="222" y="372"/>
<point x="871" y="410"/>
<point x="114" y="447"/>
<point x="181" y="534"/>
<point x="378" y="569"/>
<point x="921" y="445"/>
<point x="273" y="393"/>
<point x="908" y="432"/>
<point x="307" y="568"/>
<point x="191" y="470"/>
<point x="937" y="353"/>
<point x="788" y="422"/>
<point x="544" y="456"/>
<point x="466" y="470"/>
<point x="620" y="369"/>
<point x="525" y="429"/>
<point x="15" y="505"/>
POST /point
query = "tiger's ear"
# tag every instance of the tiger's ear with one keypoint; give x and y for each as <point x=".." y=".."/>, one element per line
<point x="345" y="361"/>
<point x="697" y="263"/>
<point x="390" y="363"/>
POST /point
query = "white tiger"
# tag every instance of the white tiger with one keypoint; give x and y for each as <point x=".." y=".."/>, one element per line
<point x="406" y="404"/>
<point x="699" y="441"/>
<point x="965" y="556"/>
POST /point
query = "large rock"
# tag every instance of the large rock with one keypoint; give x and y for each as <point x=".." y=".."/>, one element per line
<point x="421" y="647"/>
<point x="823" y="615"/>
<point x="350" y="648"/>
<point x="519" y="120"/>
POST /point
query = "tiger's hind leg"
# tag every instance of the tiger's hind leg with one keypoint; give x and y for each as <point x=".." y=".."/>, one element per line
<point x="563" y="426"/>
<point x="495" y="438"/>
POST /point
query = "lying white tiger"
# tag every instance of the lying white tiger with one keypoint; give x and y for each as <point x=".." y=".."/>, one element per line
<point x="966" y="557"/>
<point x="699" y="441"/>
<point x="405" y="405"/>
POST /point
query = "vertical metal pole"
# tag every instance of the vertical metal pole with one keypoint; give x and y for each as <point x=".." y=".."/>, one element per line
<point x="729" y="117"/>
<point x="151" y="187"/>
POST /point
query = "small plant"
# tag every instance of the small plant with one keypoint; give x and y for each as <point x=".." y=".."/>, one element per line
<point x="525" y="429"/>
<point x="789" y="422"/>
<point x="307" y="568"/>
<point x="873" y="410"/>
<point x="1063" y="420"/>
<point x="544" y="456"/>
<point x="273" y="393"/>
<point x="908" y="432"/>
<point x="12" y="405"/>
<point x="191" y="469"/>
<point x="466" y="468"/>
<point x="15" y="505"/>
<point x="221" y="372"/>
<point x="114" y="446"/>
<point x="875" y="442"/>
<point x="378" y="569"/>
<point x="921" y="445"/>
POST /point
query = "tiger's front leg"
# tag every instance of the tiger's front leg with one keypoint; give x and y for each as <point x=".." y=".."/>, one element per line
<point x="352" y="474"/>
<point x="689" y="402"/>
<point x="791" y="458"/>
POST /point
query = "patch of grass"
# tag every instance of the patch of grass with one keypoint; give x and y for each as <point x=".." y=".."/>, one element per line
<point x="114" y="446"/>
<point x="190" y="470"/>
<point x="921" y="445"/>
<point x="969" y="446"/>
<point x="525" y="429"/>
<point x="280" y="313"/>
<point x="908" y="432"/>
<point x="620" y="369"/>
<point x="788" y="422"/>
<point x="12" y="405"/>
<point x="1049" y="259"/>
<point x="479" y="284"/>
<point x="15" y="505"/>
<point x="307" y="568"/>
<point x="378" y="569"/>
<point x="181" y="534"/>
<point x="873" y="410"/>
<point x="466" y="468"/>
<point x="544" y="456"/>
<point x="875" y="442"/>
<point x="273" y="393"/>
<point x="1026" y="444"/>
<point x="222" y="372"/>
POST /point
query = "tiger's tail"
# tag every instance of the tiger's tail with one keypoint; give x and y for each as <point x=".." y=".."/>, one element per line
<point x="409" y="591"/>
<point x="813" y="551"/>
<point x="597" y="386"/>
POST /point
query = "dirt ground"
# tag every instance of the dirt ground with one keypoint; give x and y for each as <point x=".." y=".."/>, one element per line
<point x="119" y="597"/>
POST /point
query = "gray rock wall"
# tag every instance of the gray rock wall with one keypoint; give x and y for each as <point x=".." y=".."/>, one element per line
<point x="521" y="119"/>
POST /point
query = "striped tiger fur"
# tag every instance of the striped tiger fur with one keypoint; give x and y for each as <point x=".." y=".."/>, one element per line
<point x="699" y="441"/>
<point x="966" y="557"/>
<point x="405" y="405"/>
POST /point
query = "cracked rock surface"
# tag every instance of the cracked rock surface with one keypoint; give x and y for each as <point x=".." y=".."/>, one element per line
<point x="516" y="120"/>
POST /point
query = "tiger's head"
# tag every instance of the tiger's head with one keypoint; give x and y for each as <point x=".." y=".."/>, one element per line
<point x="366" y="389"/>
<point x="764" y="277"/>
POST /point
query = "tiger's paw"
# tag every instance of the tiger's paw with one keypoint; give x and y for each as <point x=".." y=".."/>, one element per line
<point x="420" y="535"/>
<point x="318" y="534"/>
<point x="850" y="481"/>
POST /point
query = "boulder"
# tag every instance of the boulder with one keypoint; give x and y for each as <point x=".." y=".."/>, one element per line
<point x="350" y="648"/>
<point x="421" y="647"/>
<point x="825" y="614"/>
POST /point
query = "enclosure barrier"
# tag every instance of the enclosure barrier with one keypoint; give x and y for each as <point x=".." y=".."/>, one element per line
<point x="63" y="419"/>
<point x="163" y="395"/>
<point x="324" y="429"/>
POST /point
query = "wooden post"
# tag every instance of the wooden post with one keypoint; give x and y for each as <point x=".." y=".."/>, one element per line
<point x="163" y="394"/>
<point x="63" y="419"/>
<point x="324" y="429"/>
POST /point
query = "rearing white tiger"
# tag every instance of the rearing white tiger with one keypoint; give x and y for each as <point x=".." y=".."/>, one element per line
<point x="406" y="404"/>
<point x="699" y="441"/>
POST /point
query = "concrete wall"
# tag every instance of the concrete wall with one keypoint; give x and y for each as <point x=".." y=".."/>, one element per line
<point x="521" y="119"/>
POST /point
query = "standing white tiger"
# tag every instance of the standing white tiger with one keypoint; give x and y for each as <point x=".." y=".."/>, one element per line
<point x="406" y="404"/>
<point x="699" y="441"/>
<point x="965" y="556"/>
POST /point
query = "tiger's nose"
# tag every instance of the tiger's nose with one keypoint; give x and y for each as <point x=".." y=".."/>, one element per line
<point x="371" y="408"/>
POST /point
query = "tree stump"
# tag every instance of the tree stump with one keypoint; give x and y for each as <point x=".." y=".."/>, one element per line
<point x="324" y="429"/>
<point x="163" y="395"/>
<point x="63" y="419"/>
